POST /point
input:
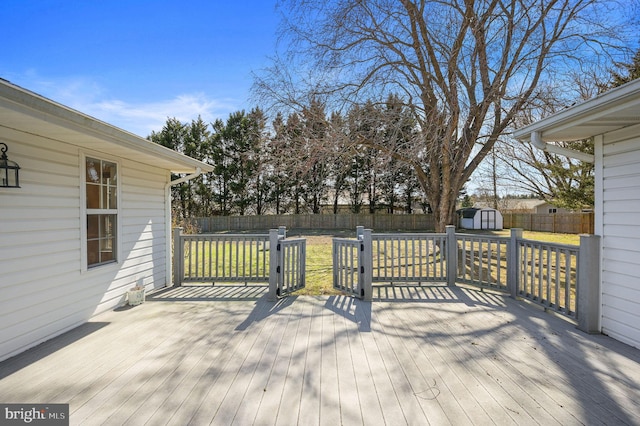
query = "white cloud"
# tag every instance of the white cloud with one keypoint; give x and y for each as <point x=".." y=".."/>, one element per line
<point x="143" y="118"/>
<point x="140" y="118"/>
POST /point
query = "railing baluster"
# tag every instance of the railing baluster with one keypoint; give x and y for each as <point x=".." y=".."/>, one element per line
<point x="567" y="281"/>
<point x="498" y="263"/>
<point x="540" y="275"/>
<point x="190" y="255"/>
<point x="443" y="256"/>
<point x="558" y="284"/>
<point x="548" y="275"/>
<point x="237" y="252"/>
<point x="413" y="256"/>
<point x="472" y="260"/>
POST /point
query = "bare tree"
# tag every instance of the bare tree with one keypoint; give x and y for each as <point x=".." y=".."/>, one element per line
<point x="562" y="181"/>
<point x="464" y="68"/>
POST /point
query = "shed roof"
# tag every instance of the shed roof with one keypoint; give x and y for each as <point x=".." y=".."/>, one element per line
<point x="26" y="111"/>
<point x="612" y="110"/>
<point x="513" y="203"/>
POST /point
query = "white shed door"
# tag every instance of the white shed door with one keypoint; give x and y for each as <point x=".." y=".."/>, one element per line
<point x="621" y="238"/>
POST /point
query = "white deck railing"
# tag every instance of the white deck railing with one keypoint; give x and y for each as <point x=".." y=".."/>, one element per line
<point x="408" y="258"/>
<point x="224" y="258"/>
<point x="291" y="264"/>
<point x="549" y="275"/>
<point x="559" y="277"/>
<point x="552" y="275"/>
<point x="346" y="265"/>
<point x="482" y="260"/>
<point x="240" y="258"/>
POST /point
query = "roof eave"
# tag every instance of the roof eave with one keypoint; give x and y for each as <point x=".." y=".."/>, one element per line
<point x="53" y="114"/>
<point x="617" y="99"/>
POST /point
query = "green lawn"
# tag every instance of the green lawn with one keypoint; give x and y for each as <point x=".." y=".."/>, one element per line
<point x="569" y="239"/>
<point x="319" y="280"/>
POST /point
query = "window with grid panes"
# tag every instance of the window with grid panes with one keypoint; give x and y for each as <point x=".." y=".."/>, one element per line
<point x="102" y="211"/>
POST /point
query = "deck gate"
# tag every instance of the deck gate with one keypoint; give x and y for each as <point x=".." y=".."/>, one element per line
<point x="352" y="264"/>
<point x="290" y="266"/>
<point x="347" y="266"/>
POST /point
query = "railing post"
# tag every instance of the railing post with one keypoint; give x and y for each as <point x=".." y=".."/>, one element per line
<point x="588" y="284"/>
<point x="178" y="257"/>
<point x="366" y="264"/>
<point x="274" y="238"/>
<point x="452" y="255"/>
<point x="513" y="262"/>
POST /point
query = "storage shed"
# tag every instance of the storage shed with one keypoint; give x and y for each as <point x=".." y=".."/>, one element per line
<point x="612" y="120"/>
<point x="89" y="219"/>
<point x="480" y="218"/>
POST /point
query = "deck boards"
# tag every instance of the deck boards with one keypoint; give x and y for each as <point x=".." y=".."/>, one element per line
<point x="415" y="355"/>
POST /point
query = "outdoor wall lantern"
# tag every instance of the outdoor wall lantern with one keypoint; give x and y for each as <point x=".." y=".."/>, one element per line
<point x="8" y="170"/>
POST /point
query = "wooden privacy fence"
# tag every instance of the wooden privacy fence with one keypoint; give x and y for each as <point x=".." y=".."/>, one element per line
<point x="561" y="278"/>
<point x="341" y="221"/>
<point x="569" y="223"/>
<point x="565" y="223"/>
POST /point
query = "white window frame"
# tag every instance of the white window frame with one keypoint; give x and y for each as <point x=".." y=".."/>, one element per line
<point x="84" y="212"/>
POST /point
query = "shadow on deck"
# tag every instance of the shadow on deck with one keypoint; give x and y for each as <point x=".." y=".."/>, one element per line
<point x="415" y="355"/>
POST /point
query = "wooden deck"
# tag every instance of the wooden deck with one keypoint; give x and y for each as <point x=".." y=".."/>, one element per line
<point x="428" y="355"/>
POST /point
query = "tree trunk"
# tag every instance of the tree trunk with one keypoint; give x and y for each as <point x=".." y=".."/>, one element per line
<point x="444" y="214"/>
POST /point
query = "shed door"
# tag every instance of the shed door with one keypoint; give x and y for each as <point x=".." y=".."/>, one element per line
<point x="487" y="219"/>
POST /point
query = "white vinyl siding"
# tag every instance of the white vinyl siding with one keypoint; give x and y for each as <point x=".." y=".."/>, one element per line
<point x="45" y="290"/>
<point x="621" y="236"/>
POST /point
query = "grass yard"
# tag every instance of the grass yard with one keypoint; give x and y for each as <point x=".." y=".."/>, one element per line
<point x="319" y="278"/>
<point x="319" y="268"/>
<point x="547" y="237"/>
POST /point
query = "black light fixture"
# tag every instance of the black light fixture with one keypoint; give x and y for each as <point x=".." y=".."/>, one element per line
<point x="8" y="170"/>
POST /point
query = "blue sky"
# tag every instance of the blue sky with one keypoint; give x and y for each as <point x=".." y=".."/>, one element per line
<point x="133" y="63"/>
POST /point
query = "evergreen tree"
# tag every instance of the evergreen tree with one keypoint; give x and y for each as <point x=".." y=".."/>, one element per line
<point x="632" y="71"/>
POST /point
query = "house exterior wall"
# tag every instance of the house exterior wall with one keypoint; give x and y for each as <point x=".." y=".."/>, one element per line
<point x="619" y="167"/>
<point x="547" y="208"/>
<point x="45" y="290"/>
